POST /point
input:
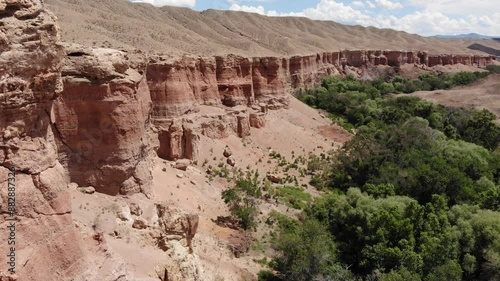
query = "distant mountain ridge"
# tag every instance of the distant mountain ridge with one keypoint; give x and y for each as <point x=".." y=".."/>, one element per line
<point x="468" y="35"/>
<point x="120" y="24"/>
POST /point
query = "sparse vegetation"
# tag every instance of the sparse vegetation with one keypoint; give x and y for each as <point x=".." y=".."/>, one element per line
<point x="294" y="197"/>
<point x="241" y="199"/>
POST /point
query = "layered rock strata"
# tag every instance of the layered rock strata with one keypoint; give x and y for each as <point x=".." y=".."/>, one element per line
<point x="180" y="87"/>
<point x="47" y="244"/>
<point x="179" y="138"/>
<point x="102" y="117"/>
<point x="70" y="113"/>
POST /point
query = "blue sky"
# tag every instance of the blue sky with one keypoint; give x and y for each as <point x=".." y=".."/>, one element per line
<point x="424" y="17"/>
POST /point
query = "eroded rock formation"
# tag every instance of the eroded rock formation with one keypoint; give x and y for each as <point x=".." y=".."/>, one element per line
<point x="48" y="245"/>
<point x="178" y="230"/>
<point x="76" y="114"/>
<point x="179" y="140"/>
<point x="181" y="87"/>
<point x="102" y="116"/>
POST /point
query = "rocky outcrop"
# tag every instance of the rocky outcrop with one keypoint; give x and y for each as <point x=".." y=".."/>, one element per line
<point x="179" y="86"/>
<point x="269" y="81"/>
<point x="305" y="72"/>
<point x="102" y="116"/>
<point x="245" y="88"/>
<point x="243" y="125"/>
<point x="178" y="230"/>
<point x="235" y="80"/>
<point x="76" y="114"/>
<point x="179" y="140"/>
<point x="48" y="245"/>
<point x="257" y="120"/>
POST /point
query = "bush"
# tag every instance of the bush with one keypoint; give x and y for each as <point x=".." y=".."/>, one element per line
<point x="241" y="200"/>
<point x="493" y="68"/>
<point x="306" y="253"/>
<point x="406" y="191"/>
<point x="266" y="275"/>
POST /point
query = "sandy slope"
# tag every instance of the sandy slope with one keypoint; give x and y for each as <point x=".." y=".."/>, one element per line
<point x="484" y="94"/>
<point x="297" y="131"/>
<point x="121" y="24"/>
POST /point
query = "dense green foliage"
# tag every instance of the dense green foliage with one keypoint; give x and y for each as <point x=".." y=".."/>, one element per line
<point x="361" y="104"/>
<point x="413" y="147"/>
<point x="415" y="193"/>
<point x="398" y="233"/>
<point x="494" y="68"/>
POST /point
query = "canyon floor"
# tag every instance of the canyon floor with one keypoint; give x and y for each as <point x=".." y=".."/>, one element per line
<point x="102" y="117"/>
<point x="294" y="132"/>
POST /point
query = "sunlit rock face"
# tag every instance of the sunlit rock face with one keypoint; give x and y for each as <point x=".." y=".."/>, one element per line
<point x="48" y="245"/>
<point x="102" y="117"/>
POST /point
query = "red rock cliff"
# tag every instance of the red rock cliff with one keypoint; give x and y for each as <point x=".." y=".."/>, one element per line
<point x="102" y="116"/>
<point x="48" y="245"/>
<point x="91" y="125"/>
<point x="180" y="87"/>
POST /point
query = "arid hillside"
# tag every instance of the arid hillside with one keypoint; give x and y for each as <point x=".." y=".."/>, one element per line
<point x="120" y="24"/>
<point x="482" y="95"/>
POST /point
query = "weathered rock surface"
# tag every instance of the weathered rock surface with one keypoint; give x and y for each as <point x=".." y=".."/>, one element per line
<point x="102" y="116"/>
<point x="257" y="120"/>
<point x="48" y="246"/>
<point x="243" y="125"/>
<point x="76" y="114"/>
<point x="177" y="223"/>
<point x="30" y="62"/>
<point x="178" y="230"/>
<point x="274" y="178"/>
<point x="180" y="140"/>
<point x="179" y="86"/>
<point x="231" y="161"/>
<point x="227" y="152"/>
<point x="182" y="164"/>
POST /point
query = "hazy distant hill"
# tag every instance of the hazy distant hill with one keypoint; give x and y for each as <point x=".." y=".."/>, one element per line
<point x="485" y="49"/>
<point x="469" y="35"/>
<point x="122" y="24"/>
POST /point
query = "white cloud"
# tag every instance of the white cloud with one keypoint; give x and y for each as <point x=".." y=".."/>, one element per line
<point x="159" y="3"/>
<point x="358" y="3"/>
<point x="386" y="4"/>
<point x="249" y="9"/>
<point x="424" y="22"/>
<point x="459" y="7"/>
<point x="332" y="10"/>
<point x="261" y="11"/>
<point x="240" y="1"/>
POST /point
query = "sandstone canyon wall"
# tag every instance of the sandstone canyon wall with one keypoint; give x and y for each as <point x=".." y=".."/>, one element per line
<point x="111" y="98"/>
<point x="102" y="116"/>
<point x="93" y="116"/>
<point x="245" y="88"/>
<point x="30" y="61"/>
<point x="48" y="245"/>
